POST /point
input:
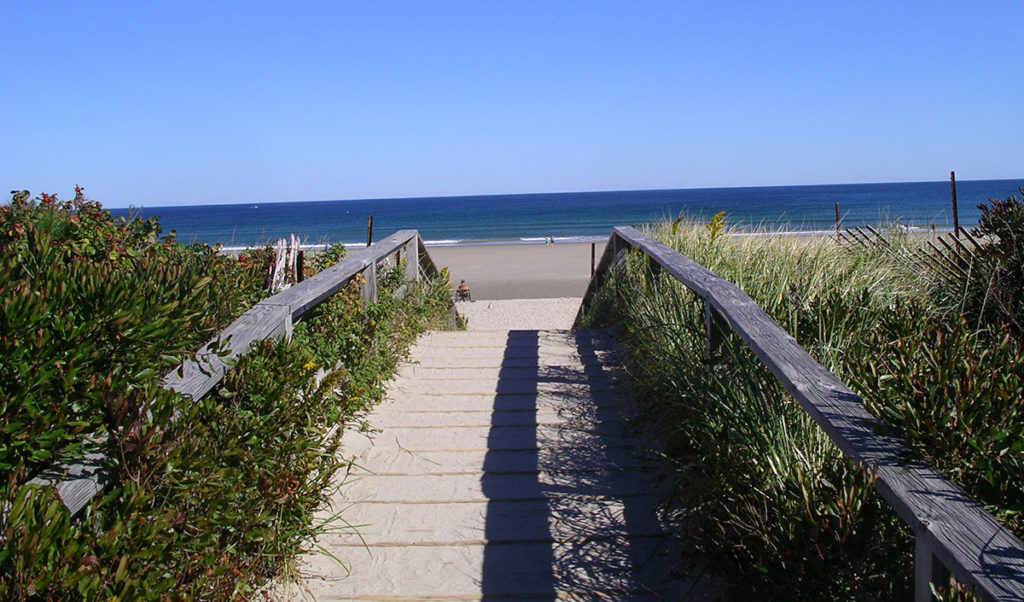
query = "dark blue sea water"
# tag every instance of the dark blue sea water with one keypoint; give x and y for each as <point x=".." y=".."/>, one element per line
<point x="579" y="215"/>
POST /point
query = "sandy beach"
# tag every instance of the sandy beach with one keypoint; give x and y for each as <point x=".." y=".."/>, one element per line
<point x="520" y="314"/>
<point x="517" y="271"/>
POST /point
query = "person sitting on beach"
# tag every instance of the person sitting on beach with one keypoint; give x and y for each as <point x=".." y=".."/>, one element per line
<point x="463" y="292"/>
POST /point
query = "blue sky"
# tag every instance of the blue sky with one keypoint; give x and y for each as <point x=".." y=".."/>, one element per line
<point x="160" y="103"/>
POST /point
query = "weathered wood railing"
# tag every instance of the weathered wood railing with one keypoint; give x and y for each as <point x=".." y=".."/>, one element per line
<point x="78" y="483"/>
<point x="954" y="534"/>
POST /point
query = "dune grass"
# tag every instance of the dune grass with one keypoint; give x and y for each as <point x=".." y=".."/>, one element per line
<point x="776" y="509"/>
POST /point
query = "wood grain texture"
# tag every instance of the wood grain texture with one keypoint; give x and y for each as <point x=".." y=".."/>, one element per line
<point x="76" y="483"/>
<point x="976" y="548"/>
<point x="79" y="482"/>
<point x="313" y="291"/>
<point x="196" y="378"/>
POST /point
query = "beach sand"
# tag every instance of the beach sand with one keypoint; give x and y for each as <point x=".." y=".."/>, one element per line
<point x="518" y="271"/>
<point x="520" y="314"/>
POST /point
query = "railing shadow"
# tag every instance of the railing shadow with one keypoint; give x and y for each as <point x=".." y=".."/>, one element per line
<point x="568" y="515"/>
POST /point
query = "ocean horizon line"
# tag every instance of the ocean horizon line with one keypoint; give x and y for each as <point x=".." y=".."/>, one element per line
<point x="500" y="195"/>
<point x="580" y="216"/>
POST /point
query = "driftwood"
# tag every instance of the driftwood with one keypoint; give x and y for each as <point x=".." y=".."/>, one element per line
<point x="284" y="271"/>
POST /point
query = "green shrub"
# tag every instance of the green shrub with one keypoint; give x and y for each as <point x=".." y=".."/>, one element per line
<point x="326" y="258"/>
<point x="994" y="295"/>
<point x="211" y="504"/>
<point x="954" y="396"/>
<point x="95" y="312"/>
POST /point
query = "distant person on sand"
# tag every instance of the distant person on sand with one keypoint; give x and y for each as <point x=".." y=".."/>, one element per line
<point x="463" y="292"/>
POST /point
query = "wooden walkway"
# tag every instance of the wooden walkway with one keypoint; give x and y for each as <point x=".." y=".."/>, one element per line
<point x="502" y="468"/>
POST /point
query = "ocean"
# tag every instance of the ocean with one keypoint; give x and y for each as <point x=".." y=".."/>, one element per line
<point x="578" y="216"/>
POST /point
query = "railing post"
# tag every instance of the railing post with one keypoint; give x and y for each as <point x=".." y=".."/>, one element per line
<point x="593" y="247"/>
<point x="369" y="288"/>
<point x="412" y="259"/>
<point x="927" y="570"/>
<point x="601" y="277"/>
<point x="619" y="247"/>
<point x="286" y="328"/>
<point x="713" y="327"/>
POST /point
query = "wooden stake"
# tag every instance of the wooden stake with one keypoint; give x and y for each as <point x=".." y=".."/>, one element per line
<point x="956" y="218"/>
<point x="593" y="246"/>
<point x="369" y="230"/>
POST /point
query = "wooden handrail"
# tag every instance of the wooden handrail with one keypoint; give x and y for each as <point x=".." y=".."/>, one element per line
<point x="953" y="533"/>
<point x="79" y="482"/>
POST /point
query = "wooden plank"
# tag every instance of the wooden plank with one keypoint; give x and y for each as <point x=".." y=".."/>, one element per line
<point x="970" y="238"/>
<point x="964" y="250"/>
<point x="368" y="290"/>
<point x="313" y="291"/>
<point x="412" y="259"/>
<point x="853" y="236"/>
<point x="77" y="483"/>
<point x="196" y="378"/>
<point x="713" y="327"/>
<point x="970" y="542"/>
<point x="928" y="571"/>
<point x="958" y="274"/>
<point x="955" y="256"/>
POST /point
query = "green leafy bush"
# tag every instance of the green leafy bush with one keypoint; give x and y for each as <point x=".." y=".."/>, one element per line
<point x="208" y="505"/>
<point x="326" y="258"/>
<point x="954" y="395"/>
<point x="995" y="290"/>
<point x="95" y="311"/>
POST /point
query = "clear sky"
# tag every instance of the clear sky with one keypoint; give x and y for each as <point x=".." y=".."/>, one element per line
<point x="160" y="103"/>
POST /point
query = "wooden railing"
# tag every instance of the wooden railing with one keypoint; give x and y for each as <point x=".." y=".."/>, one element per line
<point x="954" y="534"/>
<point x="78" y="483"/>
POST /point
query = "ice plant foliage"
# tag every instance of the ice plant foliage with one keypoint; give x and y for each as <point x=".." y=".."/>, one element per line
<point x="210" y="505"/>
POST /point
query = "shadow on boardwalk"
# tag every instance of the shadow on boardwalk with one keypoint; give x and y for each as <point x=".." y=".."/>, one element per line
<point x="568" y="513"/>
<point x="503" y="469"/>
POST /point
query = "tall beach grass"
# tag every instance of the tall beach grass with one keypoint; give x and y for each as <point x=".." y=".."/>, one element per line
<point x="776" y="509"/>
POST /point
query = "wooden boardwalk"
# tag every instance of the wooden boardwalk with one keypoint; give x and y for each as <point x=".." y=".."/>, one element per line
<point x="502" y="467"/>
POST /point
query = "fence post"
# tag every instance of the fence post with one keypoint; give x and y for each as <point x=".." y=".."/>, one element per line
<point x="369" y="288"/>
<point x="412" y="259"/>
<point x="618" y="257"/>
<point x="956" y="216"/>
<point x="593" y="250"/>
<point x="927" y="570"/>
